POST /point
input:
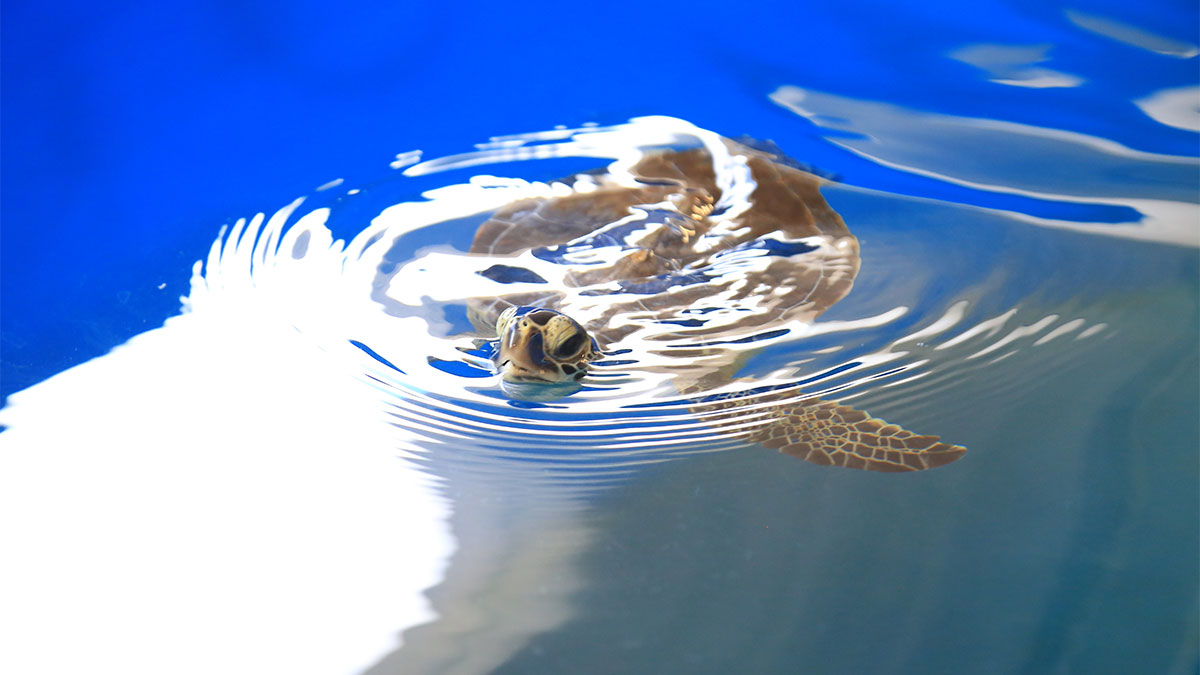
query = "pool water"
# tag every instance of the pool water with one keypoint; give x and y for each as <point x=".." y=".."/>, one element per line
<point x="310" y="467"/>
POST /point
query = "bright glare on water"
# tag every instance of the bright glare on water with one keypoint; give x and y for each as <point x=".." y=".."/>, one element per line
<point x="319" y="449"/>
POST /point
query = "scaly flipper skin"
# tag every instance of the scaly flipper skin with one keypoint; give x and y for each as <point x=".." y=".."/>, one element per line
<point x="826" y="433"/>
<point x="830" y="434"/>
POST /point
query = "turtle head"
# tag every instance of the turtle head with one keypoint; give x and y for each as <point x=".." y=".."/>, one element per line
<point x="542" y="345"/>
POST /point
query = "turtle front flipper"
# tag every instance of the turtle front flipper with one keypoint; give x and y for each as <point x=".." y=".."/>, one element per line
<point x="830" y="434"/>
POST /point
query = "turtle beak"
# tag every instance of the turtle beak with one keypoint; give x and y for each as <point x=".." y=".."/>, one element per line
<point x="522" y="356"/>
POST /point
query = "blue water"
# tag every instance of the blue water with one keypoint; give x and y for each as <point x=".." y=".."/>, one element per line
<point x="1066" y="540"/>
<point x="161" y="123"/>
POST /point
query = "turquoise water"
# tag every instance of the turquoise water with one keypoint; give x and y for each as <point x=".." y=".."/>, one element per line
<point x="1064" y="542"/>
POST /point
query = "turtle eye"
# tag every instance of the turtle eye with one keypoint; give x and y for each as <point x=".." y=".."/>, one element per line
<point x="570" y="347"/>
<point x="536" y="353"/>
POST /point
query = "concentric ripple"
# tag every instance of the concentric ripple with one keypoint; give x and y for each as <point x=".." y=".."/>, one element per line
<point x="390" y="305"/>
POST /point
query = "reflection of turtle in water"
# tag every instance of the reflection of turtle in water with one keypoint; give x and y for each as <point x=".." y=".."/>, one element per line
<point x="696" y="261"/>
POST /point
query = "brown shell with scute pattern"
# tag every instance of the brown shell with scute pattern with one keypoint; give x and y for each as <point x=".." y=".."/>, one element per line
<point x="785" y="202"/>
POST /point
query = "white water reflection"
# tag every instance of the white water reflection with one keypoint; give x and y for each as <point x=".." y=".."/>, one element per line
<point x="1136" y="36"/>
<point x="216" y="495"/>
<point x="1064" y="171"/>
<point x="1177" y="107"/>
<point x="514" y="576"/>
<point x="1016" y="65"/>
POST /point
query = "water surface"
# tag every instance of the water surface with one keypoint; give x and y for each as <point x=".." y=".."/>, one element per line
<point x="304" y="471"/>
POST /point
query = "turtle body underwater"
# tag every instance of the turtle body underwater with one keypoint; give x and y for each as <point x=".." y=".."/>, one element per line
<point x="685" y="258"/>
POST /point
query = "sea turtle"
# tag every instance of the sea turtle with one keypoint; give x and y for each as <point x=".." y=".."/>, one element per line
<point x="683" y="254"/>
